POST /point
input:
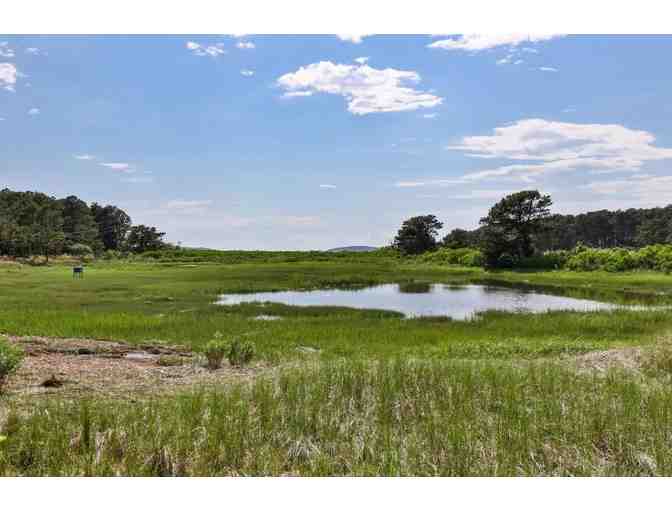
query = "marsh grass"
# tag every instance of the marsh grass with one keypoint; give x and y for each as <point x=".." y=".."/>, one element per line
<point x="360" y="418"/>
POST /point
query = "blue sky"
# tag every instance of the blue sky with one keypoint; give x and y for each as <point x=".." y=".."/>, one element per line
<point x="300" y="142"/>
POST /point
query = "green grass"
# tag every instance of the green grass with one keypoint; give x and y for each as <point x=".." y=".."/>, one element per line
<point x="376" y="395"/>
<point x="357" y="418"/>
<point x="173" y="303"/>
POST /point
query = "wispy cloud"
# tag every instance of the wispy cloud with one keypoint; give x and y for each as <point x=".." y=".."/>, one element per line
<point x="362" y="60"/>
<point x="84" y="157"/>
<point x="8" y="76"/>
<point x="245" y="45"/>
<point x="546" y="146"/>
<point x="481" y="42"/>
<point x="548" y="69"/>
<point x="366" y="90"/>
<point x="328" y="186"/>
<point x="119" y="167"/>
<point x="247" y="72"/>
<point x="430" y="115"/>
<point x="353" y="38"/>
<point x="214" y="50"/>
<point x="34" y="111"/>
<point x="35" y="51"/>
<point x="5" y="50"/>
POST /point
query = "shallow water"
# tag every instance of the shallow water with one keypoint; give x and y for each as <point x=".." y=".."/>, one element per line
<point x="420" y="299"/>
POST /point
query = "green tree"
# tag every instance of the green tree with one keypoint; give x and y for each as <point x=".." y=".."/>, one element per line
<point x="79" y="225"/>
<point x="142" y="238"/>
<point x="48" y="237"/>
<point x="418" y="235"/>
<point x="113" y="225"/>
<point x="457" y="238"/>
<point x="512" y="223"/>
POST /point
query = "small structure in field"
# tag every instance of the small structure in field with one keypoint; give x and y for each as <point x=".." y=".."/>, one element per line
<point x="78" y="272"/>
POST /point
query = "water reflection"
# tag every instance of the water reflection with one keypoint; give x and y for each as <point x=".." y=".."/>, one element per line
<point x="425" y="299"/>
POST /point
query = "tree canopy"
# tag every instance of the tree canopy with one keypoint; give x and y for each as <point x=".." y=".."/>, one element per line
<point x="418" y="234"/>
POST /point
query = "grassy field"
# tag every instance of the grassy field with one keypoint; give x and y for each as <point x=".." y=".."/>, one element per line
<point x="376" y="394"/>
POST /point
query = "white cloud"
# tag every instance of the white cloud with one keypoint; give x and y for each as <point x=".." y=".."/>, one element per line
<point x="328" y="186"/>
<point x="8" y="75"/>
<point x="643" y="188"/>
<point x="212" y="51"/>
<point x="547" y="146"/>
<point x="362" y="60"/>
<point x="5" y="50"/>
<point x="34" y="111"/>
<point x="430" y="115"/>
<point x="548" y="69"/>
<point x="366" y="90"/>
<point x="84" y="157"/>
<point x="35" y="51"/>
<point x="431" y="182"/>
<point x="353" y="38"/>
<point x="188" y="206"/>
<point x="247" y="72"/>
<point x="298" y="93"/>
<point x="480" y="42"/>
<point x="119" y="167"/>
<point x="529" y="50"/>
<point x="137" y="180"/>
<point x="245" y="45"/>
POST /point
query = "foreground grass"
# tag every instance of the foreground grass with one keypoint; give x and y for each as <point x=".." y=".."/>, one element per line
<point x="352" y="418"/>
<point x="173" y="303"/>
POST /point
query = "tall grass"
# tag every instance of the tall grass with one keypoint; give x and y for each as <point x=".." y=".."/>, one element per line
<point x="357" y="418"/>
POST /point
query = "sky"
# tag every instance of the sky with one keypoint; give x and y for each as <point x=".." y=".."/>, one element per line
<point x="313" y="142"/>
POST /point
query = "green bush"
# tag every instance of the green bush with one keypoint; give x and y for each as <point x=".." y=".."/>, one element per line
<point x="453" y="256"/>
<point x="240" y="352"/>
<point x="10" y="359"/>
<point x="215" y="350"/>
<point x="80" y="250"/>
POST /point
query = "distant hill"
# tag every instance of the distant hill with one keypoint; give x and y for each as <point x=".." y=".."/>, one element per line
<point x="354" y="248"/>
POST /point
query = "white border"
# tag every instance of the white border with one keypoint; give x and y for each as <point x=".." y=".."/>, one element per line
<point x="343" y="16"/>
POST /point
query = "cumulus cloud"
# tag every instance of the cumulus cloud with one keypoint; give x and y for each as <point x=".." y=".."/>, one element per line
<point x="247" y="72"/>
<point x="480" y="42"/>
<point x="84" y="157"/>
<point x="353" y="38"/>
<point x="5" y="50"/>
<point x="547" y="146"/>
<point x="328" y="186"/>
<point x="8" y="75"/>
<point x="245" y="45"/>
<point x="362" y="60"/>
<point x="366" y="90"/>
<point x="212" y="51"/>
<point x="34" y="111"/>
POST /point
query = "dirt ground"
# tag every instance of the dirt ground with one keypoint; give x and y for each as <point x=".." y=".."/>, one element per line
<point x="78" y="367"/>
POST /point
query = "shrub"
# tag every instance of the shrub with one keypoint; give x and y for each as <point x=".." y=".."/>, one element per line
<point x="215" y="350"/>
<point x="10" y="359"/>
<point x="506" y="261"/>
<point x="462" y="256"/>
<point x="80" y="250"/>
<point x="240" y="353"/>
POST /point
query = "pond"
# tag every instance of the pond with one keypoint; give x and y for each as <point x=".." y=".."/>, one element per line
<point x="425" y="299"/>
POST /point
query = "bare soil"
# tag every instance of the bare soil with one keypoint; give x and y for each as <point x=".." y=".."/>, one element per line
<point x="77" y="367"/>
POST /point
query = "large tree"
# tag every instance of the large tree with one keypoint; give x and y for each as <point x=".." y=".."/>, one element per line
<point x="418" y="235"/>
<point x="142" y="238"/>
<point x="458" y="238"/>
<point x="79" y="225"/>
<point x="113" y="225"/>
<point x="512" y="223"/>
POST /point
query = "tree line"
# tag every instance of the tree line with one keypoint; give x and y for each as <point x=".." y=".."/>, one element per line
<point x="521" y="225"/>
<point x="33" y="223"/>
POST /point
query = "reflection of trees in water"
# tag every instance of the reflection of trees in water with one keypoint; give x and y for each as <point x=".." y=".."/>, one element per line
<point x="415" y="288"/>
